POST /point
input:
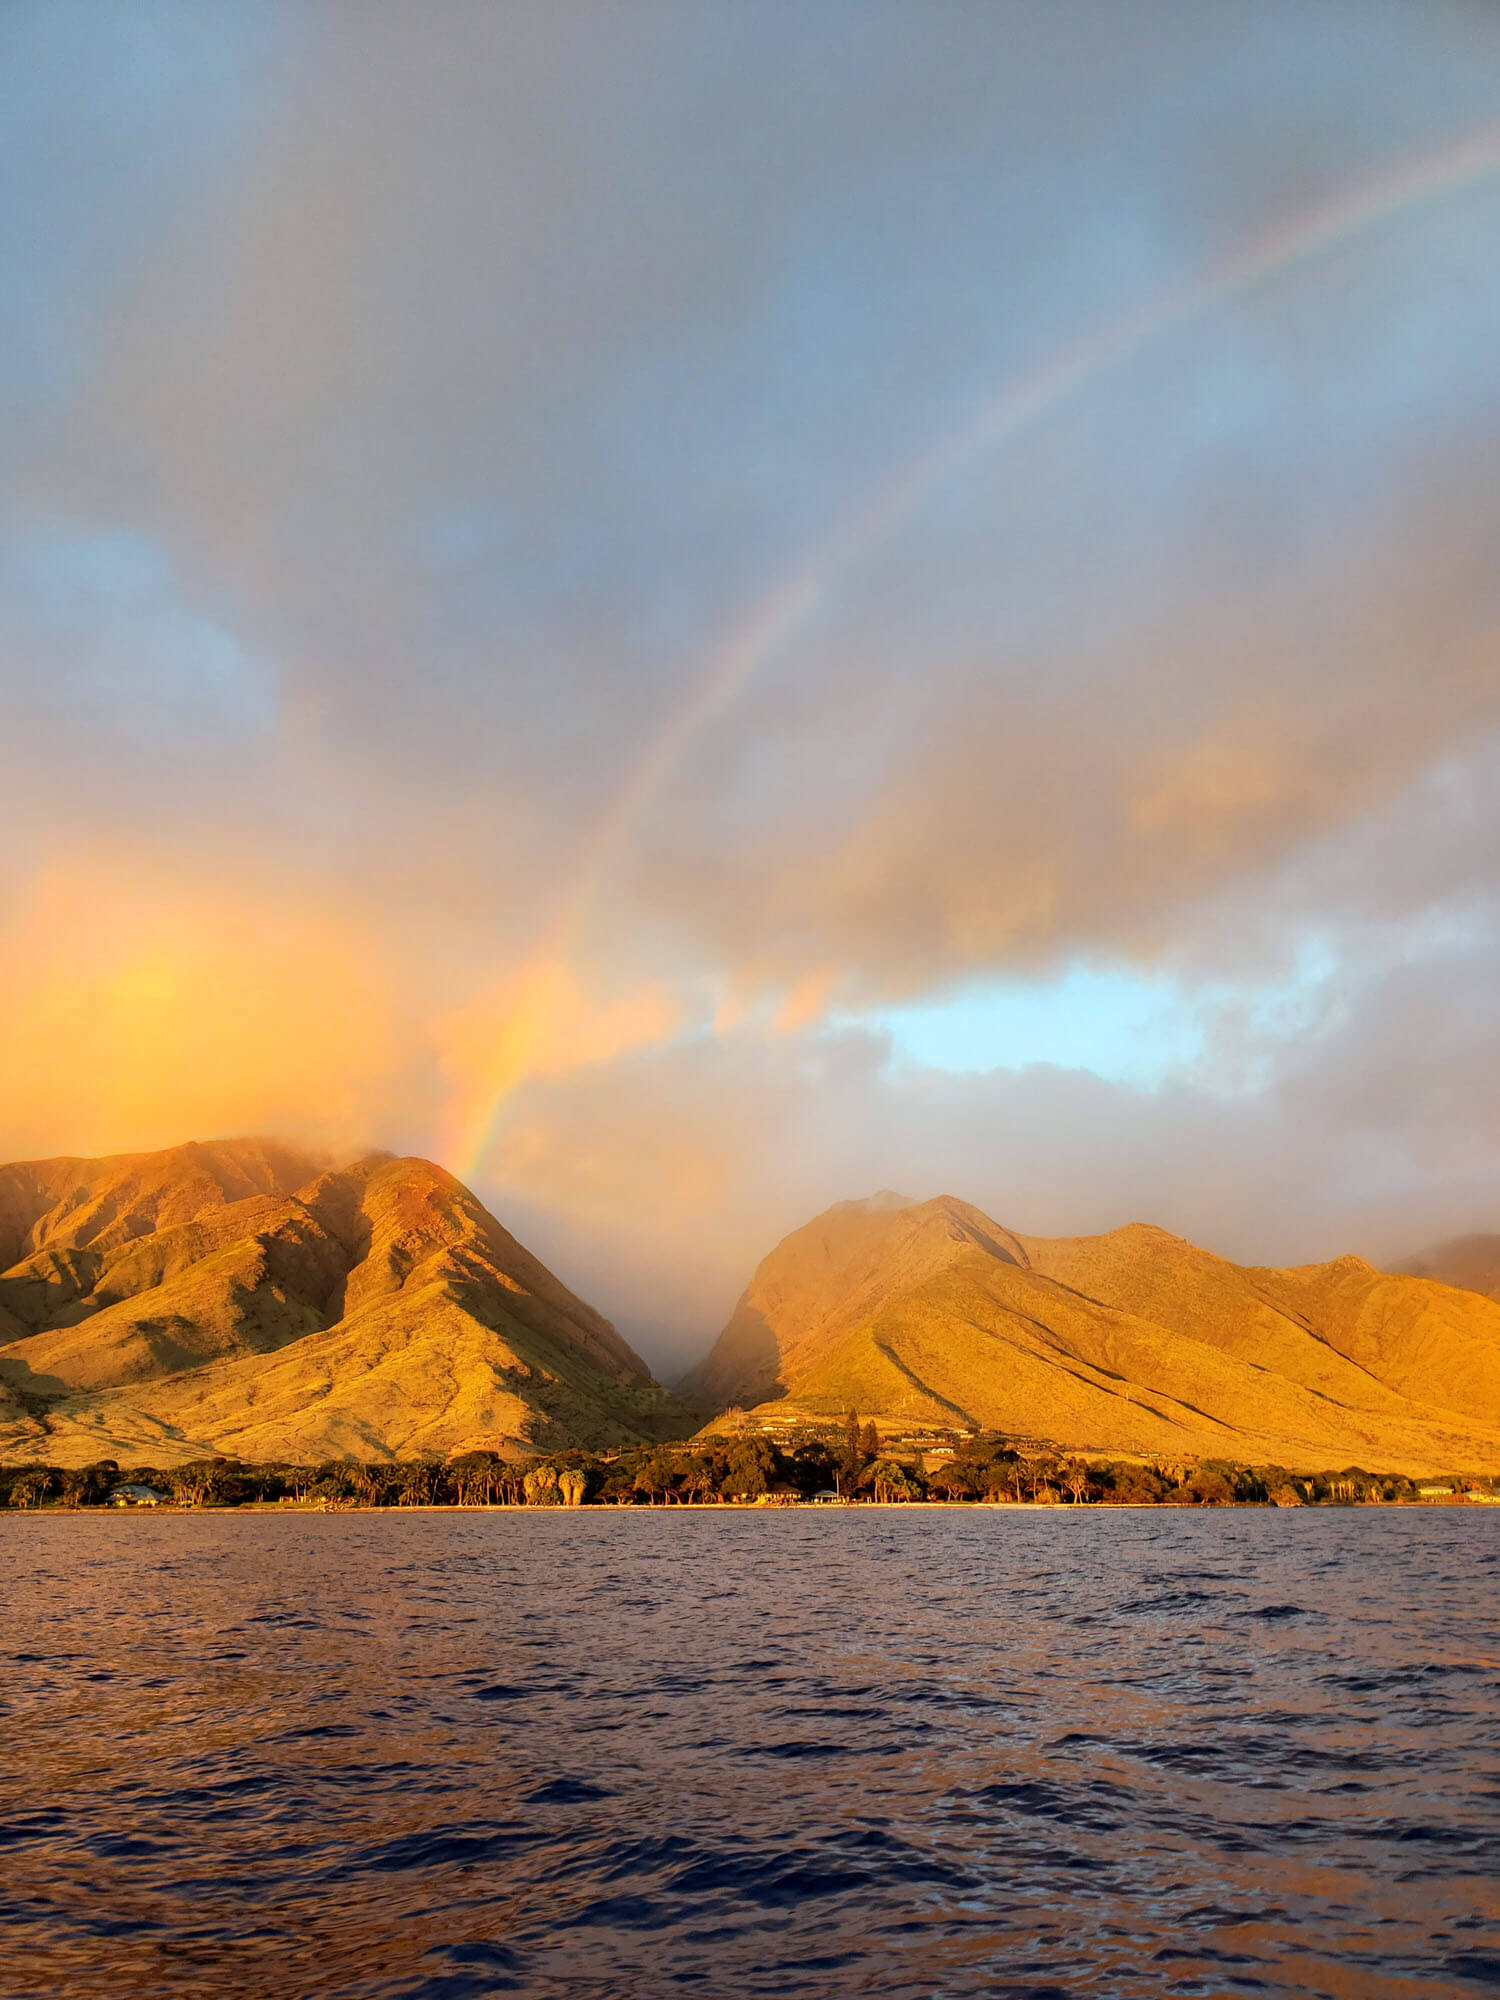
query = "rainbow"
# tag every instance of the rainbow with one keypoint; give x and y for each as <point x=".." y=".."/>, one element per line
<point x="1019" y="404"/>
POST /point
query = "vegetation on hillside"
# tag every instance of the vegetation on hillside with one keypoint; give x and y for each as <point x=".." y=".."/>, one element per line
<point x="848" y="1463"/>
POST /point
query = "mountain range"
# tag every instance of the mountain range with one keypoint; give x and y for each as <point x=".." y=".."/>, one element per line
<point x="1133" y="1343"/>
<point x="243" y="1298"/>
<point x="246" y="1298"/>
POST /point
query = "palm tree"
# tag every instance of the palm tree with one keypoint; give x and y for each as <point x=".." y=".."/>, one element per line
<point x="540" y="1486"/>
<point x="415" y="1488"/>
<point x="891" y="1482"/>
<point x="698" y="1484"/>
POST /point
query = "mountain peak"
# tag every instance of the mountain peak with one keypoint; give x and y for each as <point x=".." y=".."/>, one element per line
<point x="1133" y="1343"/>
<point x="239" y="1295"/>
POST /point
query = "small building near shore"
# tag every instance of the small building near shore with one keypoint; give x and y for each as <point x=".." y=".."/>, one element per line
<point x="136" y="1496"/>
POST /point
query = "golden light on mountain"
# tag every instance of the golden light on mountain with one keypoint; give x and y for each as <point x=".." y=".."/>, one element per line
<point x="244" y="1297"/>
<point x="1134" y="1342"/>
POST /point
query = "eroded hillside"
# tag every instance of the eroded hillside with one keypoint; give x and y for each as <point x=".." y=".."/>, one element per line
<point x="244" y="1298"/>
<point x="1133" y="1342"/>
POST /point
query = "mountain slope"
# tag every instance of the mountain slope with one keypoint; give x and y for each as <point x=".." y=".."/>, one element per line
<point x="235" y="1298"/>
<point x="1132" y="1342"/>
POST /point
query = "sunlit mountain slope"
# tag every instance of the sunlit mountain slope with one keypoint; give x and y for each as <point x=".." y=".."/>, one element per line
<point x="243" y="1298"/>
<point x="1133" y="1342"/>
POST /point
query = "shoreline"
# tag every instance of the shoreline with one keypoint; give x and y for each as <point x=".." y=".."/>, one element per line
<point x="302" y="1507"/>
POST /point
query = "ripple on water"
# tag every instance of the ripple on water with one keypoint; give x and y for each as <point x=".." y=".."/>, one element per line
<point x="935" y="1754"/>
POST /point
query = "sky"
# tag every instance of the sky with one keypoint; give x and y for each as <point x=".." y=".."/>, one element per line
<point x="696" y="610"/>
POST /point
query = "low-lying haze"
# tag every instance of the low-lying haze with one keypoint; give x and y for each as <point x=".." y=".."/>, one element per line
<point x="697" y="611"/>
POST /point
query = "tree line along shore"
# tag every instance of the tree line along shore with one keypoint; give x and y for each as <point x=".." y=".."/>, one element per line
<point x="845" y="1466"/>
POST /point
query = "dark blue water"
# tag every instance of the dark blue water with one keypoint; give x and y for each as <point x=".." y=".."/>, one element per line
<point x="627" y="1754"/>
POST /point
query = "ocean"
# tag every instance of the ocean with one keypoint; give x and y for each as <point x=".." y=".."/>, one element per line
<point x="619" y="1753"/>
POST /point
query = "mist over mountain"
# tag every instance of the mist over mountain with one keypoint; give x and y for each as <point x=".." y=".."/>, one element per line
<point x="1132" y="1342"/>
<point x="246" y="1298"/>
<point x="1472" y="1263"/>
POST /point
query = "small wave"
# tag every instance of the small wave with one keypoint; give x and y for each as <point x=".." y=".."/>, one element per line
<point x="795" y="1749"/>
<point x="1006" y="1777"/>
<point x="436" y="1849"/>
<point x="566" y="1792"/>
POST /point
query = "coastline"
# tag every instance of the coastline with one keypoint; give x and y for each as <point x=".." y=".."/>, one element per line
<point x="299" y="1508"/>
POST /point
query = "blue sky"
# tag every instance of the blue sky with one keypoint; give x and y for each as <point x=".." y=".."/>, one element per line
<point x="1125" y="1028"/>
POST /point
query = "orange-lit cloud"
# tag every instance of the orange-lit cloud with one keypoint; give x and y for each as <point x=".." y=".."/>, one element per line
<point x="807" y="1000"/>
<point x="1209" y="796"/>
<point x="136" y="1013"/>
<point x="537" y="1022"/>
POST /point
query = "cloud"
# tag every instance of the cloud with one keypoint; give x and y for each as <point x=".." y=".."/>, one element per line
<point x="537" y="1022"/>
<point x="489" y="664"/>
<point x="135" y="1014"/>
<point x="96" y="624"/>
<point x="1362" y="1121"/>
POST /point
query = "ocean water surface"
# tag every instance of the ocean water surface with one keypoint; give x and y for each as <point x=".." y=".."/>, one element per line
<point x="903" y="1752"/>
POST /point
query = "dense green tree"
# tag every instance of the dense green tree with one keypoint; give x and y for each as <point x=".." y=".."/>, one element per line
<point x="540" y="1486"/>
<point x="1208" y="1488"/>
<point x="659" y="1475"/>
<point x="617" y="1481"/>
<point x="743" y="1466"/>
<point x="476" y="1477"/>
<point x="812" y="1468"/>
<point x="416" y="1483"/>
<point x="197" y="1484"/>
<point x="956" y="1481"/>
<point x="89" y="1485"/>
<point x="696" y="1482"/>
<point x="853" y="1458"/>
<point x="1127" y="1485"/>
<point x="752" y="1467"/>
<point x="375" y="1485"/>
<point x="890" y="1481"/>
<point x="337" y="1482"/>
<point x="32" y="1486"/>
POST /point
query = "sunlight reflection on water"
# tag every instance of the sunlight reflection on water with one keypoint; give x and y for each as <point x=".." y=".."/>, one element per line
<point x="628" y="1754"/>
